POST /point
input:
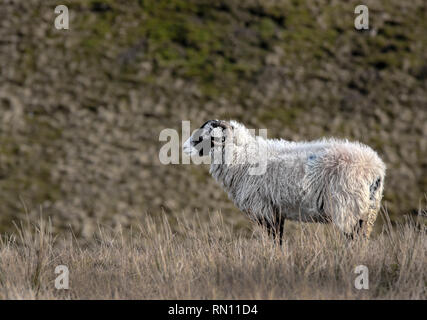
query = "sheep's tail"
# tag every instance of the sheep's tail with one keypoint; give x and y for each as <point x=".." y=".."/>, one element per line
<point x="373" y="188"/>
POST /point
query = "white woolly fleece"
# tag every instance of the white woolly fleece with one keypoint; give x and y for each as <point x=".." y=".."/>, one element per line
<point x="327" y="180"/>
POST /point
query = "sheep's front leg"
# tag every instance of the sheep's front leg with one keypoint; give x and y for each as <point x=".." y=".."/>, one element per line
<point x="370" y="221"/>
<point x="274" y="228"/>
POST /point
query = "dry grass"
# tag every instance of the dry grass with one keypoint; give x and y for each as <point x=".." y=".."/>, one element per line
<point x="210" y="261"/>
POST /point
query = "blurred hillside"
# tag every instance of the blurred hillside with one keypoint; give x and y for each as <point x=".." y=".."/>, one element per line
<point x="81" y="109"/>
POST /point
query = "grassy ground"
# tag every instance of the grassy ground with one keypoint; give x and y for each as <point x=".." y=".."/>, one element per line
<point x="208" y="260"/>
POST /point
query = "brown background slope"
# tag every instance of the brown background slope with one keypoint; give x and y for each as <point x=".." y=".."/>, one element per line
<point x="81" y="109"/>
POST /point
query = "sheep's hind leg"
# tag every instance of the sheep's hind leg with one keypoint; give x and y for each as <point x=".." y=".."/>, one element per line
<point x="357" y="230"/>
<point x="363" y="228"/>
<point x="369" y="223"/>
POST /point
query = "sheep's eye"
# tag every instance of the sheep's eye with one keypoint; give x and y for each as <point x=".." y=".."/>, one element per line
<point x="198" y="140"/>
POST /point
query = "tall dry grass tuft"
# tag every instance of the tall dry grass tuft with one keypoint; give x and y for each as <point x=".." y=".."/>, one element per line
<point x="208" y="260"/>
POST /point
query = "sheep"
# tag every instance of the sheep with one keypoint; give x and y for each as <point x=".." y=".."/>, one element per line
<point x="327" y="180"/>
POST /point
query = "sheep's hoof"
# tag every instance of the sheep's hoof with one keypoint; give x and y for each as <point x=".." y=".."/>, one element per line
<point x="362" y="230"/>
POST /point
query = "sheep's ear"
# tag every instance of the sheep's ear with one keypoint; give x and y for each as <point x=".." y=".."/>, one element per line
<point x="212" y="124"/>
<point x="218" y="124"/>
<point x="225" y="125"/>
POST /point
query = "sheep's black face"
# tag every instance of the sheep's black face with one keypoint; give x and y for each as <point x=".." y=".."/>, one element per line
<point x="203" y="140"/>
